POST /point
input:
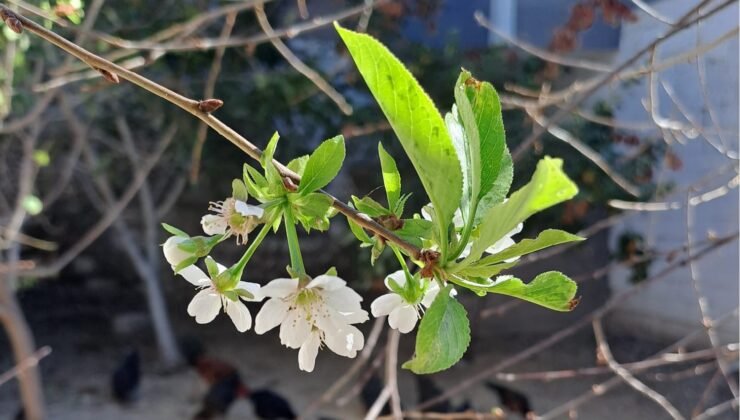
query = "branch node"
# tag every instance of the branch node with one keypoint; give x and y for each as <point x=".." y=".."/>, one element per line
<point x="109" y="76"/>
<point x="429" y="258"/>
<point x="11" y="20"/>
<point x="210" y="105"/>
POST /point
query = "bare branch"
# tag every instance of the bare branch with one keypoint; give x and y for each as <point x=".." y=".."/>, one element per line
<point x="627" y="377"/>
<point x="191" y="106"/>
<point x="480" y="18"/>
<point x="299" y="65"/>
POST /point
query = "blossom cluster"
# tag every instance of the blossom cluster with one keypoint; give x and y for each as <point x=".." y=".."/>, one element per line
<point x="311" y="313"/>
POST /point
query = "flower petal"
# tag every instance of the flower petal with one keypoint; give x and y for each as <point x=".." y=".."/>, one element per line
<point x="326" y="282"/>
<point x="248" y="210"/>
<point x="239" y="315"/>
<point x="195" y="276"/>
<point x="205" y="306"/>
<point x="295" y="329"/>
<point x="407" y="317"/>
<point x="384" y="304"/>
<point x="252" y="288"/>
<point x="271" y="315"/>
<point x="279" y="288"/>
<point x="399" y="277"/>
<point x="172" y="252"/>
<point x="343" y="300"/>
<point x="308" y="352"/>
<point x="430" y="294"/>
<point x="214" y="224"/>
<point x="356" y="317"/>
<point x="344" y="341"/>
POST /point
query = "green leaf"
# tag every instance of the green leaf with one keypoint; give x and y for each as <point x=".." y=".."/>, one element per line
<point x="486" y="109"/>
<point x="552" y="290"/>
<point x="377" y="249"/>
<point x="464" y="133"/>
<point x="175" y="231"/>
<point x="272" y="176"/>
<point x="323" y="165"/>
<point x="269" y="153"/>
<point x="391" y="177"/>
<point x="549" y="186"/>
<point x="187" y="262"/>
<point x="212" y="267"/>
<point x="239" y="190"/>
<point x="311" y="210"/>
<point x="414" y="230"/>
<point x="443" y="336"/>
<point x="484" y="270"/>
<point x="500" y="188"/>
<point x="415" y="120"/>
<point x="298" y="165"/>
<point x="370" y="207"/>
<point x="359" y="232"/>
<point x="311" y="205"/>
<point x="244" y="293"/>
<point x="546" y="239"/>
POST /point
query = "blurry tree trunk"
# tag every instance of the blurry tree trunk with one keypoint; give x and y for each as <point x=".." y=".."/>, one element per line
<point x="21" y="341"/>
<point x="155" y="299"/>
<point x="145" y="258"/>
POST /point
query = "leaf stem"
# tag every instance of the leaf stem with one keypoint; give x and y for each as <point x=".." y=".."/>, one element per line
<point x="239" y="267"/>
<point x="465" y="236"/>
<point x="294" y="247"/>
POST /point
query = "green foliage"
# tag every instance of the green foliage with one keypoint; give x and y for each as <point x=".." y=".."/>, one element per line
<point x="414" y="119"/>
<point x="549" y="186"/>
<point x="552" y="290"/>
<point x="391" y="179"/>
<point x="323" y="165"/>
<point x="545" y="239"/>
<point x="443" y="336"/>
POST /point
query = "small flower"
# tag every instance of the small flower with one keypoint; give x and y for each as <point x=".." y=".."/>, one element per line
<point x="207" y="303"/>
<point x="457" y="221"/>
<point x="233" y="217"/>
<point x="403" y="314"/>
<point x="172" y="251"/>
<point x="321" y="312"/>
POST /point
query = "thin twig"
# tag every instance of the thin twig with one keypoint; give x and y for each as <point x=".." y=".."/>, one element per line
<point x="682" y="23"/>
<point x="208" y="92"/>
<point x="549" y="56"/>
<point x="626" y="376"/>
<point x="730" y="350"/>
<point x="541" y="345"/>
<point x="27" y="363"/>
<point x="718" y="409"/>
<point x="589" y="153"/>
<point x="391" y="373"/>
<point x="704" y="309"/>
<point x="299" y="65"/>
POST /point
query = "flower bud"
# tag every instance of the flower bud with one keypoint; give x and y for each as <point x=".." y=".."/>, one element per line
<point x="172" y="251"/>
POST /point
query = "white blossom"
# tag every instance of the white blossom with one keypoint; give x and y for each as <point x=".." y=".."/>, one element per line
<point x="233" y="217"/>
<point x="207" y="303"/>
<point x="403" y="314"/>
<point x="172" y="252"/>
<point x="321" y="312"/>
<point x="457" y="220"/>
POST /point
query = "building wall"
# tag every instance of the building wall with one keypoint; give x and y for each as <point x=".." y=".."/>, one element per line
<point x="669" y="308"/>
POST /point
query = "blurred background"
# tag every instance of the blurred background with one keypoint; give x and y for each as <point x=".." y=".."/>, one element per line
<point x="639" y="97"/>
